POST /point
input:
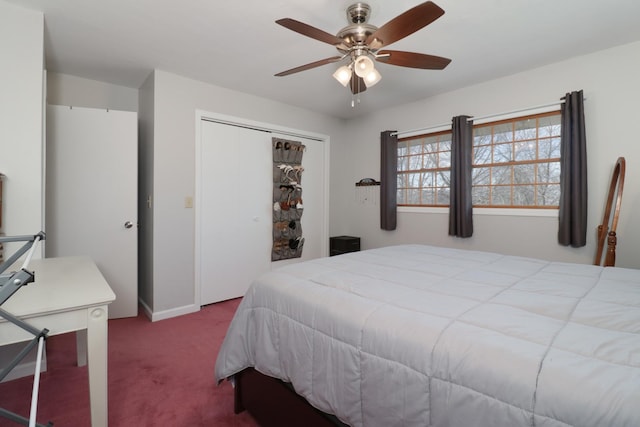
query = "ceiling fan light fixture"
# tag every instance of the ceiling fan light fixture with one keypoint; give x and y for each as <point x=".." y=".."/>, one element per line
<point x="343" y="75"/>
<point x="363" y="65"/>
<point x="360" y="44"/>
<point x="372" y="78"/>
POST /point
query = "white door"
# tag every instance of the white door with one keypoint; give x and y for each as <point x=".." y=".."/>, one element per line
<point x="91" y="195"/>
<point x="234" y="208"/>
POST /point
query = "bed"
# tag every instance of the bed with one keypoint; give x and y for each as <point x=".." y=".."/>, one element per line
<point x="417" y="335"/>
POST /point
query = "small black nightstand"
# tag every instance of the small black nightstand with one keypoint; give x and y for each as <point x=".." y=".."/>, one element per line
<point x="343" y="244"/>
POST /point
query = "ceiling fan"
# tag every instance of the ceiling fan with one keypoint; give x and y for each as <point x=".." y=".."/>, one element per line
<point x="362" y="42"/>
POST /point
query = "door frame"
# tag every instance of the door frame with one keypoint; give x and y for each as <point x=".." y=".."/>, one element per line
<point x="202" y="115"/>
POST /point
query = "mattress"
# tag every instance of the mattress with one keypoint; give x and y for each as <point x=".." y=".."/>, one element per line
<point x="417" y="335"/>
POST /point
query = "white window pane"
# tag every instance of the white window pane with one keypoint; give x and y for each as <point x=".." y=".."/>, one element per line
<point x="443" y="178"/>
<point x="502" y="133"/>
<point x="430" y="161"/>
<point x="480" y="195"/>
<point x="482" y="135"/>
<point x="524" y="174"/>
<point x="443" y="196"/>
<point x="403" y="163"/>
<point x="501" y="196"/>
<point x="501" y="175"/>
<point x="482" y="155"/>
<point x="549" y="172"/>
<point x="431" y="147"/>
<point x="502" y="153"/>
<point x="483" y="131"/>
<point x="415" y="148"/>
<point x="548" y="195"/>
<point x="413" y="197"/>
<point x="525" y="151"/>
<point x="525" y="129"/>
<point x="427" y="179"/>
<point x="524" y="195"/>
<point x="430" y="140"/>
<point x="413" y="180"/>
<point x="428" y="196"/>
<point x="415" y="162"/>
<point x="549" y="148"/>
<point x="444" y="160"/>
<point x="549" y="126"/>
<point x="480" y="176"/>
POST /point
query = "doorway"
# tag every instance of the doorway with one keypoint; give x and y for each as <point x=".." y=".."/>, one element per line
<point x="91" y="195"/>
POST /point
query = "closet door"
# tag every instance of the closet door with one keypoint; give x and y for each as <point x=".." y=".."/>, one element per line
<point x="234" y="209"/>
<point x="234" y="219"/>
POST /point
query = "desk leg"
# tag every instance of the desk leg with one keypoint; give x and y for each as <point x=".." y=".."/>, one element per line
<point x="81" y="347"/>
<point x="97" y="361"/>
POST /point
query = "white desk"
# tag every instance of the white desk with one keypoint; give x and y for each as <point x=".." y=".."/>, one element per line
<point x="68" y="294"/>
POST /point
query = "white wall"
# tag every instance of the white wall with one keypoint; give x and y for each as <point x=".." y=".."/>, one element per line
<point x="176" y="100"/>
<point x="64" y="89"/>
<point x="21" y="109"/>
<point x="612" y="87"/>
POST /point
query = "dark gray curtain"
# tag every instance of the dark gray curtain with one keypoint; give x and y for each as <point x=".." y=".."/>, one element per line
<point x="572" y="230"/>
<point x="388" y="179"/>
<point x="460" y="204"/>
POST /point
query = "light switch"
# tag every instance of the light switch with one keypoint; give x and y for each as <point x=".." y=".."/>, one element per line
<point x="188" y="202"/>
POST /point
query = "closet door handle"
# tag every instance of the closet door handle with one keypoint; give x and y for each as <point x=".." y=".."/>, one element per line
<point x="128" y="224"/>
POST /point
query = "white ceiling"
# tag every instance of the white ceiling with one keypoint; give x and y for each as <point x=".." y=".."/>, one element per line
<point x="236" y="44"/>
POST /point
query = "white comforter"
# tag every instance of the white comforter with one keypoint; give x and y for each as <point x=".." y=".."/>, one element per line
<point x="425" y="336"/>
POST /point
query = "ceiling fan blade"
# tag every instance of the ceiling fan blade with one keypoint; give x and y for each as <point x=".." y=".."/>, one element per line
<point x="412" y="60"/>
<point x="357" y="84"/>
<point x="309" y="31"/>
<point x="404" y="24"/>
<point x="310" y="66"/>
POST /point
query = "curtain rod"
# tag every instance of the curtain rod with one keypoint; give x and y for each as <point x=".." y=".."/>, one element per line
<point x="262" y="129"/>
<point x="441" y="125"/>
<point x="520" y="110"/>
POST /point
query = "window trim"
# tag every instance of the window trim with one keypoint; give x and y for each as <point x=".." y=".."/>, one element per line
<point x="549" y="212"/>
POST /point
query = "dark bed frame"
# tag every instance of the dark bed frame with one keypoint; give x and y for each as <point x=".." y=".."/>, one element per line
<point x="274" y="403"/>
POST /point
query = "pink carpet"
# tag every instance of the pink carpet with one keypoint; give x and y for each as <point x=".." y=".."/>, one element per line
<point x="160" y="374"/>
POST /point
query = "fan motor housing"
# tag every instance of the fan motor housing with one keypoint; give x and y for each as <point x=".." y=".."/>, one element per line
<point x="357" y="32"/>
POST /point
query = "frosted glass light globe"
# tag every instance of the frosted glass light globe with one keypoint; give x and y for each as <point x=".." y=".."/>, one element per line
<point x="343" y="75"/>
<point x="363" y="65"/>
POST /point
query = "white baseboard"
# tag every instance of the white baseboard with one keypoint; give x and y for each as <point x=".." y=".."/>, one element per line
<point x="154" y="316"/>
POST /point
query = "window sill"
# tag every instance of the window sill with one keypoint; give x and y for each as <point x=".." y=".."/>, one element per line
<point x="483" y="211"/>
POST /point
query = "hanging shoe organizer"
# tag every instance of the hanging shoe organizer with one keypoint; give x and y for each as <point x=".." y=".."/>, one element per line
<point x="287" y="199"/>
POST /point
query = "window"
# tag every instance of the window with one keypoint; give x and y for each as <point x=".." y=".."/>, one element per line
<point x="516" y="164"/>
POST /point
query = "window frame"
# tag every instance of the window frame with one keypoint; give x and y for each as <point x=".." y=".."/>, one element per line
<point x="511" y="210"/>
